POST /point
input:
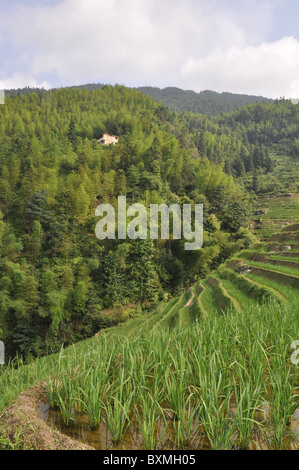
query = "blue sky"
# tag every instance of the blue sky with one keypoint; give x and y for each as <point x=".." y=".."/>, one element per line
<point x="285" y="20"/>
<point x="223" y="45"/>
<point x="284" y="15"/>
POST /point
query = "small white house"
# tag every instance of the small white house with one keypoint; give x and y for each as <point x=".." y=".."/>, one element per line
<point x="108" y="138"/>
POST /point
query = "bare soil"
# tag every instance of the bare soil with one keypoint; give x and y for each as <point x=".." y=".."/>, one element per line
<point x="190" y="301"/>
<point x="22" y="428"/>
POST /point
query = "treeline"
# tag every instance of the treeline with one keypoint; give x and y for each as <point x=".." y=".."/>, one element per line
<point x="249" y="141"/>
<point x="58" y="282"/>
<point x="27" y="90"/>
<point x="205" y="102"/>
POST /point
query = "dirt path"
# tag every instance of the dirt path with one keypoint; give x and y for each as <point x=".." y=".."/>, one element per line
<point x="190" y="301"/>
<point x="21" y="425"/>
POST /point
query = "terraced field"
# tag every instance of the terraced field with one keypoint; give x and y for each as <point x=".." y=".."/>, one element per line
<point x="279" y="212"/>
<point x="267" y="272"/>
<point x="209" y="369"/>
<point x="270" y="270"/>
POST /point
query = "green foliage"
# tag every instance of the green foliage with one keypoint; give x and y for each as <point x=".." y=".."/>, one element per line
<point x="205" y="102"/>
<point x="54" y="272"/>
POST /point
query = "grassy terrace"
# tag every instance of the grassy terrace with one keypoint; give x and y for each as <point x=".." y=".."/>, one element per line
<point x="197" y="372"/>
<point x="279" y="212"/>
<point x="179" y="386"/>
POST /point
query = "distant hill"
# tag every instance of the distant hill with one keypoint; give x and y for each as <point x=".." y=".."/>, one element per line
<point x="23" y="91"/>
<point x="205" y="102"/>
<point x="27" y="90"/>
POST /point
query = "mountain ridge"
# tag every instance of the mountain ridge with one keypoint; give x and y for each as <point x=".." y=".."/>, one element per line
<point x="204" y="102"/>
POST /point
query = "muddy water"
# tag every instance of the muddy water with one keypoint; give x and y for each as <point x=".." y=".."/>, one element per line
<point x="100" y="439"/>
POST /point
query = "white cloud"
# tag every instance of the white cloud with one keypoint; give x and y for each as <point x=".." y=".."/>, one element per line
<point x="270" y="69"/>
<point x="18" y="80"/>
<point x="195" y="44"/>
<point x="295" y="89"/>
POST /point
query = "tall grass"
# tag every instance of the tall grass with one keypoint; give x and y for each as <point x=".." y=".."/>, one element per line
<point x="148" y="414"/>
<point x="211" y="377"/>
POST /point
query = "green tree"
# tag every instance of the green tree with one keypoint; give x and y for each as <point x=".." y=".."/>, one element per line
<point x="144" y="274"/>
<point x="72" y="133"/>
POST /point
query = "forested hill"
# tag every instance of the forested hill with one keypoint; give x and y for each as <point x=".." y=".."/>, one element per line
<point x="58" y="282"/>
<point x="205" y="102"/>
<point x="27" y="90"/>
<point x="257" y="143"/>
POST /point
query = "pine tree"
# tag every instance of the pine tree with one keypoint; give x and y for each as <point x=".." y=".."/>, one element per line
<point x="255" y="182"/>
<point x="72" y="134"/>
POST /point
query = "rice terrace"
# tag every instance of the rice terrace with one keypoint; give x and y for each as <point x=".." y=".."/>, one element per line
<point x="209" y="369"/>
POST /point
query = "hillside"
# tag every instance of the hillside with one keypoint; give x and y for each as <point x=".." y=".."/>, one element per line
<point x="186" y="351"/>
<point x="205" y="102"/>
<point x="59" y="283"/>
<point x="167" y="348"/>
<point x="257" y="144"/>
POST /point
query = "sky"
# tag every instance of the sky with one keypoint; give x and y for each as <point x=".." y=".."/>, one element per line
<point x="248" y="46"/>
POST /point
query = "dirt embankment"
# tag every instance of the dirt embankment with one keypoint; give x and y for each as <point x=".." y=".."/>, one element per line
<point x="190" y="301"/>
<point x="21" y="427"/>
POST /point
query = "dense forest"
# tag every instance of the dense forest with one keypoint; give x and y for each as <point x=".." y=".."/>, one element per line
<point x="58" y="282"/>
<point x="205" y="102"/>
<point x="252" y="143"/>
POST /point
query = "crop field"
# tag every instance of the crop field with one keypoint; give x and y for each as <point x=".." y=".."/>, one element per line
<point x="280" y="211"/>
<point x="188" y="387"/>
<point x="210" y="369"/>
